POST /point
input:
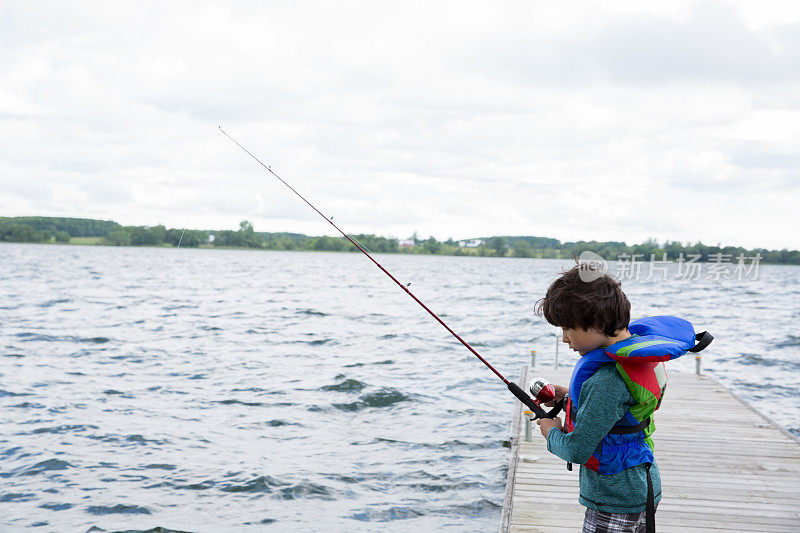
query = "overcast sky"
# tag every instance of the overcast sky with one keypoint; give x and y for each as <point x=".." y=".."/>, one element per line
<point x="617" y="120"/>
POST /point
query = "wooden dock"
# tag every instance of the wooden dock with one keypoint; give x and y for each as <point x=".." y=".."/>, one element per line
<point x="724" y="466"/>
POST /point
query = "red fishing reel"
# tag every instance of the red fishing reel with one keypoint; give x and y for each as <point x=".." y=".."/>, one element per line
<point x="544" y="392"/>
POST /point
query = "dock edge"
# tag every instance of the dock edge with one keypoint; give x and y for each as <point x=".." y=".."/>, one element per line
<point x="513" y="441"/>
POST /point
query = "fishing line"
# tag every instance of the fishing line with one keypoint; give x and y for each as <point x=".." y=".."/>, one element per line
<point x="362" y="245"/>
<point x="513" y="387"/>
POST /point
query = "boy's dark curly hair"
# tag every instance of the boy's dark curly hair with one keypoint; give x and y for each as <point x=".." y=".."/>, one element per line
<point x="571" y="302"/>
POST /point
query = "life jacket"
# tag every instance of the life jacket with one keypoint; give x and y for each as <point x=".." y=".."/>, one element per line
<point x="640" y="361"/>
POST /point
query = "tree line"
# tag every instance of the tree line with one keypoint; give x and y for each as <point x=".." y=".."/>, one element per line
<point x="65" y="230"/>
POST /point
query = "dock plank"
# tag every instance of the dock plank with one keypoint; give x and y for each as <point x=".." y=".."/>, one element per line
<point x="749" y="480"/>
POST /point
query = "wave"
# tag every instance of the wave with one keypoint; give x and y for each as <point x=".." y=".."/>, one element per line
<point x="348" y="385"/>
<point x="29" y="405"/>
<point x="51" y="303"/>
<point x="10" y="451"/>
<point x="138" y="439"/>
<point x="313" y="342"/>
<point x="239" y="402"/>
<point x="117" y="509"/>
<point x="474" y="509"/>
<point x="161" y="466"/>
<point x="385" y="362"/>
<point x="265" y="484"/>
<point x="306" y="489"/>
<point x="46" y="466"/>
<point x="344" y="479"/>
<point x="790" y="341"/>
<point x="103" y="438"/>
<point x="456" y="443"/>
<point x="442" y="487"/>
<point x="4" y="393"/>
<point x="386" y="515"/>
<point x="64" y="429"/>
<point x="181" y="306"/>
<point x="385" y="397"/>
<point x="759" y="390"/>
<point x="57" y="506"/>
<point x="34" y="337"/>
<point x="448" y="445"/>
<point x="760" y="360"/>
<point x="17" y="497"/>
<point x="116" y="392"/>
<point x="311" y="312"/>
<point x="157" y="529"/>
<point x="203" y="485"/>
<point x="278" y="423"/>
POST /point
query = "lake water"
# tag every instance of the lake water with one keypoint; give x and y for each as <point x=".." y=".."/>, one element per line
<point x="226" y="390"/>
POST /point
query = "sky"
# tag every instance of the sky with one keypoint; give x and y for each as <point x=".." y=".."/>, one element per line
<point x="613" y="120"/>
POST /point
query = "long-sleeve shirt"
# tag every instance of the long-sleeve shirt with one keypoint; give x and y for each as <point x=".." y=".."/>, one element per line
<point x="604" y="400"/>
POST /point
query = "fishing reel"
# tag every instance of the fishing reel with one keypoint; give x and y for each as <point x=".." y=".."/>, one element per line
<point x="543" y="392"/>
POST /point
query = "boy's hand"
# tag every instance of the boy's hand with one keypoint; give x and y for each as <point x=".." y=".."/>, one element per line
<point x="546" y="424"/>
<point x="560" y="393"/>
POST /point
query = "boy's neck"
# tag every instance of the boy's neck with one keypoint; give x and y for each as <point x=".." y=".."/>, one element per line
<point x="620" y="336"/>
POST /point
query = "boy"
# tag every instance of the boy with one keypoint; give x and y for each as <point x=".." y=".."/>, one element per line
<point x="615" y="387"/>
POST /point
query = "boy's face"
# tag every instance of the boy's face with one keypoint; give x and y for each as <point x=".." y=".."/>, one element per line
<point x="583" y="341"/>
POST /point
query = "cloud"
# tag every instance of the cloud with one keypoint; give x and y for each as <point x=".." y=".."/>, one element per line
<point x="613" y="121"/>
<point x="709" y="43"/>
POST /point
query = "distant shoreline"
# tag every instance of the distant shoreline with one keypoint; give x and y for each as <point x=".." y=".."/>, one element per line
<point x="82" y="231"/>
<point x="352" y="250"/>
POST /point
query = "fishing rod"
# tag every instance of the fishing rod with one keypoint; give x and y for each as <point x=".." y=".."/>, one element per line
<point x="529" y="402"/>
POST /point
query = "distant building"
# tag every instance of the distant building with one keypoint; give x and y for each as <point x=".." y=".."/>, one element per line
<point x="406" y="243"/>
<point x="211" y="239"/>
<point x="474" y="243"/>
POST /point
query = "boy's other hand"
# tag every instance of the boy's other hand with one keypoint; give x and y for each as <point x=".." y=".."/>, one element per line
<point x="546" y="424"/>
<point x="561" y="391"/>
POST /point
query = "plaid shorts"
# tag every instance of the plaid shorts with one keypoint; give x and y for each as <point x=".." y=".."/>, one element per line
<point x="600" y="522"/>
